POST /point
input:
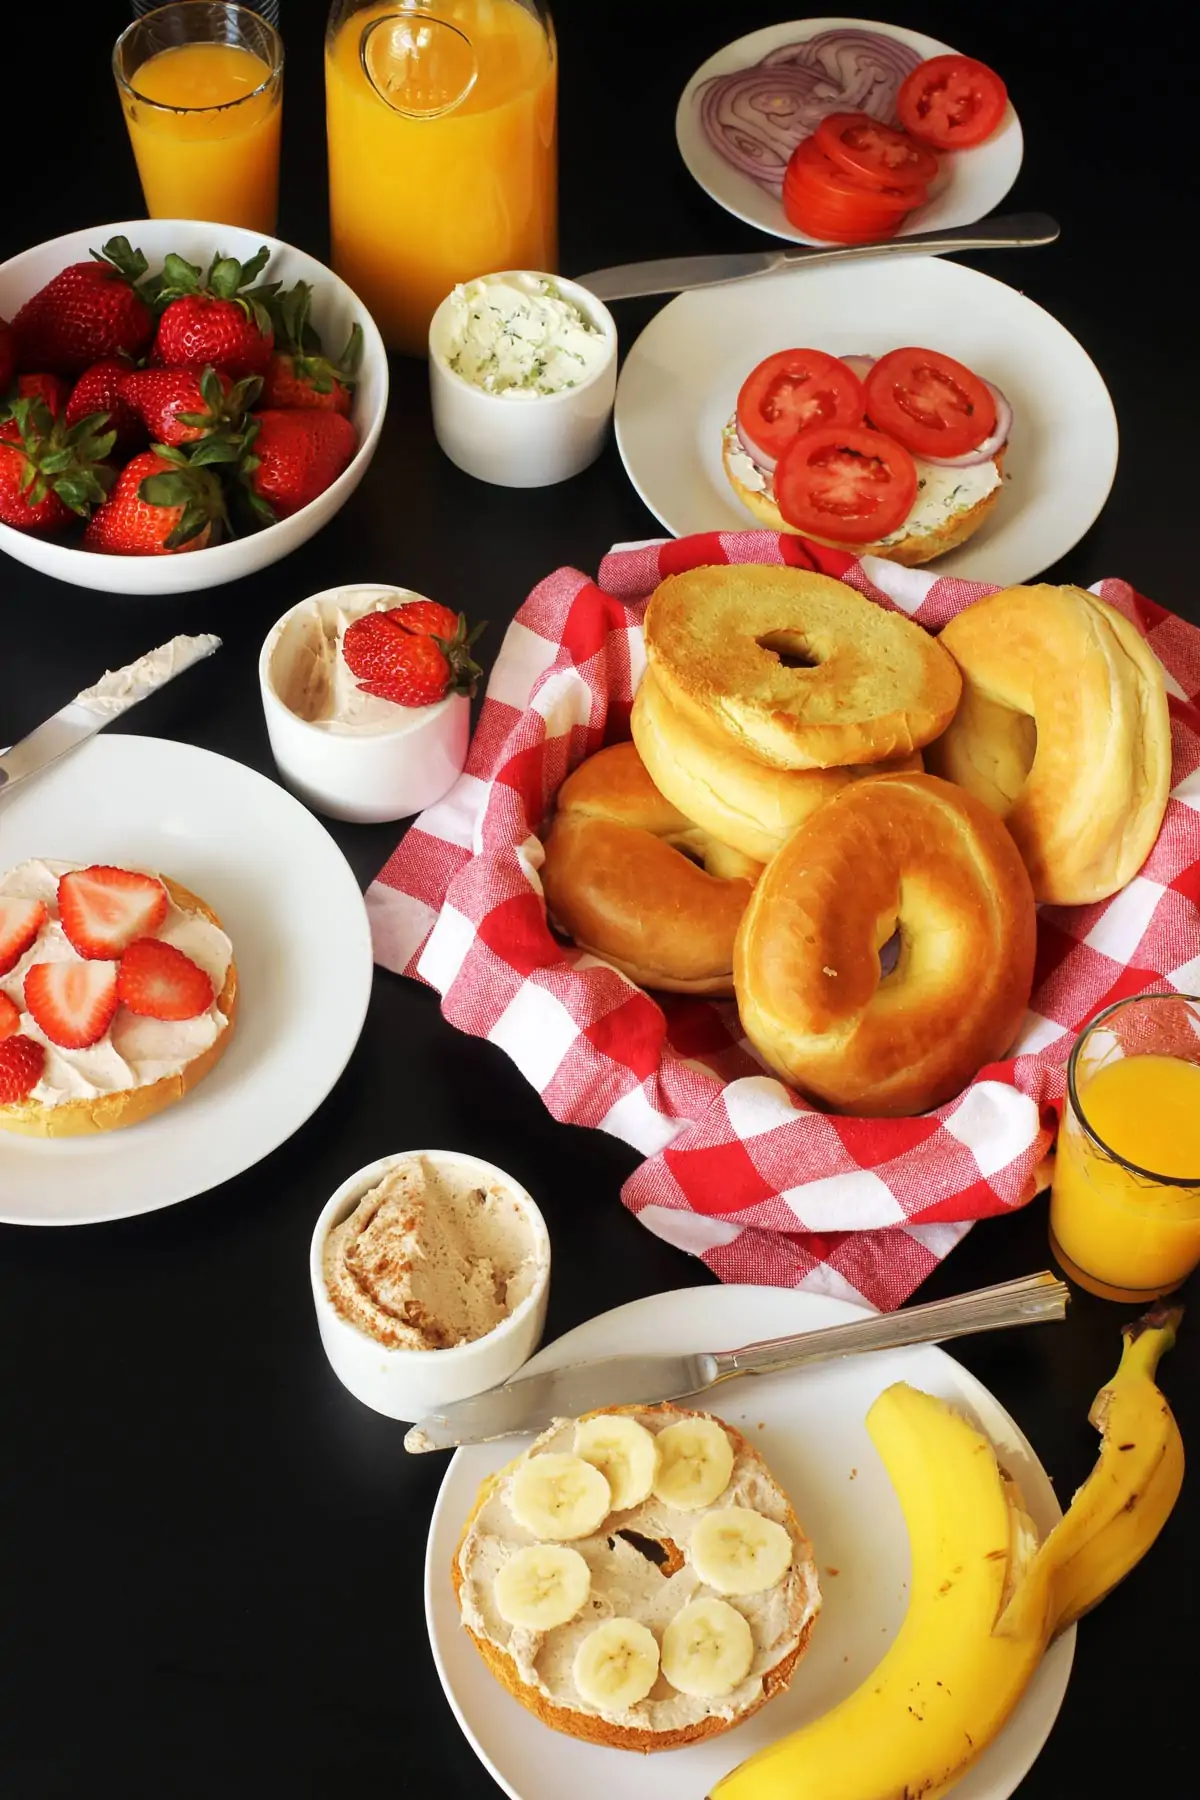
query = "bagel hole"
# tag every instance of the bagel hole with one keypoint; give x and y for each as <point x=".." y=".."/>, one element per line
<point x="889" y="954"/>
<point x="790" y="649"/>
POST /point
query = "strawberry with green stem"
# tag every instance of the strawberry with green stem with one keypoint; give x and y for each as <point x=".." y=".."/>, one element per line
<point x="300" y="374"/>
<point x="98" y="390"/>
<point x="49" y="470"/>
<point x="217" y="318"/>
<point x="285" y="459"/>
<point x="88" y="311"/>
<point x="162" y="504"/>
<point x="181" y="406"/>
<point x="413" y="655"/>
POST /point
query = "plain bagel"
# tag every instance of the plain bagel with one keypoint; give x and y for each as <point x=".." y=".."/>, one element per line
<point x="907" y="855"/>
<point x="630" y="879"/>
<point x="1063" y="730"/>
<point x="740" y="800"/>
<point x="800" y="670"/>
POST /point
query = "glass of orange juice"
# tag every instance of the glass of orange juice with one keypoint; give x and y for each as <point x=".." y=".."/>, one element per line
<point x="1125" y="1201"/>
<point x="202" y="88"/>
<point x="442" y="127"/>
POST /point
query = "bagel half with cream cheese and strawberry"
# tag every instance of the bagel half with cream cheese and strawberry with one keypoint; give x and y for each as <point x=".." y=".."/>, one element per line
<point x="118" y="993"/>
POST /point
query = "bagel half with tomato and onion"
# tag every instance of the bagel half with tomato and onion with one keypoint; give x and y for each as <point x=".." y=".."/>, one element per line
<point x="900" y="457"/>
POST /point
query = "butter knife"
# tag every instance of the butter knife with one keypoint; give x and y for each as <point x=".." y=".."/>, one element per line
<point x="529" y="1403"/>
<point x="674" y="274"/>
<point x="97" y="706"/>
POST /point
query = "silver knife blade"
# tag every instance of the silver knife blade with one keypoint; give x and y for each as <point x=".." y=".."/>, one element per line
<point x="97" y="706"/>
<point x="529" y="1402"/>
<point x="676" y="274"/>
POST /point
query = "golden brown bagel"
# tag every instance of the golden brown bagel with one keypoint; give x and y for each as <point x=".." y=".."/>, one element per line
<point x="632" y="880"/>
<point x="129" y="1106"/>
<point x="742" y="801"/>
<point x="1063" y="730"/>
<point x="877" y="686"/>
<point x="920" y="543"/>
<point x="907" y="854"/>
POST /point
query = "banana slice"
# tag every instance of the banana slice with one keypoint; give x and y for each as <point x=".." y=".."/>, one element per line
<point x="707" y="1649"/>
<point x="625" y="1453"/>
<point x="738" y="1551"/>
<point x="616" y="1665"/>
<point x="559" y="1497"/>
<point x="541" y="1586"/>
<point x="695" y="1463"/>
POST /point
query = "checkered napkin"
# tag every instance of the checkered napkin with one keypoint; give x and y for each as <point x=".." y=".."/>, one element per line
<point x="737" y="1169"/>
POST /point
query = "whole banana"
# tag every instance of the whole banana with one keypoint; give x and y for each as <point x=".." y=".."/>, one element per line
<point x="983" y="1606"/>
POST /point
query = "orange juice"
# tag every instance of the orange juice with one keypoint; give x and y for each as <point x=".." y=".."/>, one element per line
<point x="453" y="174"/>
<point x="204" y="120"/>
<point x="1120" y="1233"/>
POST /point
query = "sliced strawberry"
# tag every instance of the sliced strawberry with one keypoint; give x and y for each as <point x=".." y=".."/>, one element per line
<point x="22" y="1060"/>
<point x="160" y="982"/>
<point x="10" y="1017"/>
<point x="20" y="922"/>
<point x="103" y="909"/>
<point x="73" y="1002"/>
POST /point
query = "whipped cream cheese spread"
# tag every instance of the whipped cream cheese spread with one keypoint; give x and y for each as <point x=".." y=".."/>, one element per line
<point x="431" y="1257"/>
<point x="311" y="676"/>
<point x="119" y="689"/>
<point x="517" y="337"/>
<point x="626" y="1583"/>
<point x="941" y="493"/>
<point x="134" y="1051"/>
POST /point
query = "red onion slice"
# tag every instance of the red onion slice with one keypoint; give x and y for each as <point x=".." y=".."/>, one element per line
<point x="764" y="462"/>
<point x="859" y="365"/>
<point x="986" y="451"/>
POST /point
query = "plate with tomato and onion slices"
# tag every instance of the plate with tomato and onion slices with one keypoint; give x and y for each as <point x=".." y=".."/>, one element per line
<point x="813" y="400"/>
<point x="847" y="131"/>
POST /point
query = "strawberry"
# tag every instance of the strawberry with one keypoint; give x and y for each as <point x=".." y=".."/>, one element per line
<point x="10" y="1017"/>
<point x="50" y="388"/>
<point x="22" y="1060"/>
<point x="179" y="406"/>
<point x="8" y="355"/>
<point x="409" y="663"/>
<point x="210" y="319"/>
<point x="49" y="470"/>
<point x="98" y="390"/>
<point x="102" y="909"/>
<point x="288" y="458"/>
<point x="160" y="982"/>
<point x="300" y="375"/>
<point x="72" y="1002"/>
<point x="20" y="923"/>
<point x="160" y="505"/>
<point x="89" y="311"/>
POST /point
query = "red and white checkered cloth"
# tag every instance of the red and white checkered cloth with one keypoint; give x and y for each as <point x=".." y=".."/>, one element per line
<point x="738" y="1170"/>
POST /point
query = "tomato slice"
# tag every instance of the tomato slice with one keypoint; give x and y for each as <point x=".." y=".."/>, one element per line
<point x="796" y="389"/>
<point x="828" y="202"/>
<point x="952" y="102"/>
<point x="873" y="153"/>
<point x="931" y="404"/>
<point x="847" y="483"/>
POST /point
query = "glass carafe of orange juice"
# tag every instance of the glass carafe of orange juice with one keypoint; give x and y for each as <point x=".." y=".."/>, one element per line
<point x="442" y="128"/>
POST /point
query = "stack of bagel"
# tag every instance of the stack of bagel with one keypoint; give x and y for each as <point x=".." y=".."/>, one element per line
<point x="846" y="822"/>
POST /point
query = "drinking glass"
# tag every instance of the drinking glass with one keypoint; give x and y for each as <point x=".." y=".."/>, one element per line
<point x="201" y="84"/>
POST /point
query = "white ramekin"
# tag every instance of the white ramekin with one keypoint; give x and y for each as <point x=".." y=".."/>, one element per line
<point x="367" y="776"/>
<point x="522" y="443"/>
<point x="407" y="1384"/>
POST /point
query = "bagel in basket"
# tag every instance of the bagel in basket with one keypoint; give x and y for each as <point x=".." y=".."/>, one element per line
<point x="906" y="856"/>
<point x="800" y="670"/>
<point x="1063" y="730"/>
<point x="646" y="1514"/>
<point x="742" y="801"/>
<point x="118" y="993"/>
<point x="630" y="879"/>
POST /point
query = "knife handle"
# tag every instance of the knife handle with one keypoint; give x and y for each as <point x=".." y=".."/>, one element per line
<point x="1033" y="1300"/>
<point x="1012" y="231"/>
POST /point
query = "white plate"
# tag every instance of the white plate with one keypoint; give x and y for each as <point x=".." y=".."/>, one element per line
<point x="291" y="905"/>
<point x="969" y="183"/>
<point x="681" y="379"/>
<point x="814" y="1438"/>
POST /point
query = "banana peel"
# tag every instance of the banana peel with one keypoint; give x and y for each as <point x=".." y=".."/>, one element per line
<point x="984" y="1603"/>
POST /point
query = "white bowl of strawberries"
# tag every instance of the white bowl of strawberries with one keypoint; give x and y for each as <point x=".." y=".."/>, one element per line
<point x="177" y="409"/>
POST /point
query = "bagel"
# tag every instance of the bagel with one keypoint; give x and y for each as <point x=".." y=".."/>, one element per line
<point x="630" y="879"/>
<point x="638" y="1567"/>
<point x="871" y="686"/>
<point x="950" y="507"/>
<point x="741" y="800"/>
<point x="1063" y="730"/>
<point x="82" y="1115"/>
<point x="904" y="854"/>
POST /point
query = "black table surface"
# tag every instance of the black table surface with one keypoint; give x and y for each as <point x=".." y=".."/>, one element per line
<point x="210" y="1554"/>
